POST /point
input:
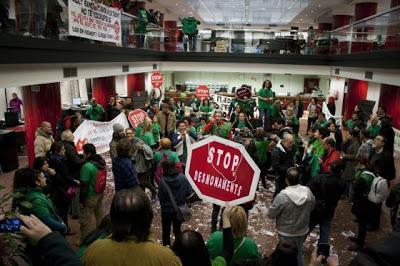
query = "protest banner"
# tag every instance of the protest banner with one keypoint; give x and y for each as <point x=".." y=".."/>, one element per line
<point x="98" y="133"/>
<point x="221" y="103"/>
<point x="243" y="93"/>
<point x="91" y="20"/>
<point x="221" y="171"/>
<point x="136" y="117"/>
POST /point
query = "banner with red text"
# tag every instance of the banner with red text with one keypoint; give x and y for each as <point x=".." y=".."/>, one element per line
<point x="98" y="133"/>
<point x="88" y="19"/>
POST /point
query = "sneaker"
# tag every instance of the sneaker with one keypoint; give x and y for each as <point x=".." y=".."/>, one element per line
<point x="27" y="34"/>
<point x="40" y="36"/>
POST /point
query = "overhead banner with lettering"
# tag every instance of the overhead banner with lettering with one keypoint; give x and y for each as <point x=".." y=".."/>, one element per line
<point x="98" y="133"/>
<point x="91" y="20"/>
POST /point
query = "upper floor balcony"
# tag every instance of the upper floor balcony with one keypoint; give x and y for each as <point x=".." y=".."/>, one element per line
<point x="87" y="32"/>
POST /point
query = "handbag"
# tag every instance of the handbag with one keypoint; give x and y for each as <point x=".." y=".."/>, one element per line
<point x="70" y="193"/>
<point x="183" y="212"/>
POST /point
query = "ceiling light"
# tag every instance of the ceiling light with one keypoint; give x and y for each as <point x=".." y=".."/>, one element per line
<point x="177" y="4"/>
<point x="319" y="5"/>
<point x="312" y="11"/>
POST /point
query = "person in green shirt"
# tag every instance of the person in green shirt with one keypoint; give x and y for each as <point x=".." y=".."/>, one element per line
<point x="146" y="133"/>
<point x="265" y="100"/>
<point x="91" y="200"/>
<point x="156" y="129"/>
<point x="194" y="103"/>
<point x="205" y="109"/>
<point x="321" y="121"/>
<point x="219" y="127"/>
<point x="291" y="120"/>
<point x="95" y="111"/>
<point x="245" y="249"/>
<point x="165" y="149"/>
<point x="240" y="123"/>
<point x="42" y="207"/>
<point x="262" y="146"/>
<point x="141" y="26"/>
<point x="189" y="27"/>
<point x="374" y="128"/>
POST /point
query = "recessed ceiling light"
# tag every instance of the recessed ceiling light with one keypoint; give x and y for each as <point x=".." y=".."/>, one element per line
<point x="177" y="4"/>
<point x="319" y="5"/>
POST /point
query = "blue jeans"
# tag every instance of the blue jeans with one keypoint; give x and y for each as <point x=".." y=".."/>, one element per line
<point x="264" y="118"/>
<point x="298" y="240"/>
<point x="324" y="230"/>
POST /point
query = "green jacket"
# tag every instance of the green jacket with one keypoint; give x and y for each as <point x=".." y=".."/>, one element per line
<point x="318" y="148"/>
<point x="189" y="25"/>
<point x="265" y="93"/>
<point x="261" y="147"/>
<point x="247" y="251"/>
<point x="88" y="176"/>
<point x="222" y="130"/>
<point x="143" y="16"/>
<point x="43" y="208"/>
<point x="156" y="132"/>
<point x="374" y="130"/>
<point x="95" y="112"/>
<point x="368" y="178"/>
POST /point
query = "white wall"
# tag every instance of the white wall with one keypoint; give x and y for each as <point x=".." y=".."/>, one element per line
<point x="373" y="94"/>
<point x="4" y="102"/>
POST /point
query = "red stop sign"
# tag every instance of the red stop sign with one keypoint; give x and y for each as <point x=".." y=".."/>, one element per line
<point x="157" y="80"/>
<point x="136" y="117"/>
<point x="243" y="93"/>
<point x="202" y="92"/>
<point x="222" y="171"/>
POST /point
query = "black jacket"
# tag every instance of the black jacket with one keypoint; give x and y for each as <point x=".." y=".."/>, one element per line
<point x="55" y="250"/>
<point x="180" y="188"/>
<point x="393" y="202"/>
<point x="282" y="160"/>
<point x="334" y="188"/>
<point x="63" y="179"/>
<point x="384" y="163"/>
<point x="388" y="133"/>
<point x="74" y="161"/>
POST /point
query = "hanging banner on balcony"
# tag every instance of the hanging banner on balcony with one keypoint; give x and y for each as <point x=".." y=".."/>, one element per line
<point x="90" y="20"/>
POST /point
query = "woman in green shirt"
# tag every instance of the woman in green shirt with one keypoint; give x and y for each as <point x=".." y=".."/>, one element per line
<point x="147" y="133"/>
<point x="206" y="110"/>
<point x="265" y="98"/>
<point x="156" y="129"/>
<point x="245" y="249"/>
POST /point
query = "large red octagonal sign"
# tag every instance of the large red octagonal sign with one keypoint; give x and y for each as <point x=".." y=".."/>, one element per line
<point x="221" y="171"/>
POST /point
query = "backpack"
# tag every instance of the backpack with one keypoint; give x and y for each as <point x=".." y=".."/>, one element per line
<point x="379" y="190"/>
<point x="101" y="179"/>
<point x="159" y="170"/>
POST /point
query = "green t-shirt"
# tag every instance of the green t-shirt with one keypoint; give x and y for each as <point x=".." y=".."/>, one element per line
<point x="322" y="123"/>
<point x="374" y="130"/>
<point x="143" y="15"/>
<point x="156" y="132"/>
<point x="95" y="113"/>
<point x="219" y="261"/>
<point x="148" y="138"/>
<point x="173" y="156"/>
<point x="265" y="93"/>
<point x="247" y="251"/>
<point x="88" y="175"/>
<point x="261" y="147"/>
<point x="318" y="148"/>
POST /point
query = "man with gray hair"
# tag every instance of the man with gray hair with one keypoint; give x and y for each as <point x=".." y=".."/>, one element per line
<point x="283" y="156"/>
<point x="291" y="209"/>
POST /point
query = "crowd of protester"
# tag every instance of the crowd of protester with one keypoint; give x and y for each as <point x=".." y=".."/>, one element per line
<point x="350" y="161"/>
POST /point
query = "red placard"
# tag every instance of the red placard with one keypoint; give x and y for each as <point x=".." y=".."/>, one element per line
<point x="202" y="92"/>
<point x="157" y="80"/>
<point x="243" y="93"/>
<point x="221" y="171"/>
<point x="136" y="117"/>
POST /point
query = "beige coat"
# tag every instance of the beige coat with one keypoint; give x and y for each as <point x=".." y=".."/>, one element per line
<point x="162" y="120"/>
<point x="42" y="143"/>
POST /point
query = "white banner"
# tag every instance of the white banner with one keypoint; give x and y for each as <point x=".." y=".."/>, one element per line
<point x="97" y="133"/>
<point x="221" y="103"/>
<point x="88" y="19"/>
<point x="396" y="152"/>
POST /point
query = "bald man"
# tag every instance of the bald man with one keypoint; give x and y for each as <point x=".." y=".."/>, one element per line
<point x="283" y="156"/>
<point x="375" y="127"/>
<point x="43" y="140"/>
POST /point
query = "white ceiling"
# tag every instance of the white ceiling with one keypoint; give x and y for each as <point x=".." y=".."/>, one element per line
<point x="259" y="12"/>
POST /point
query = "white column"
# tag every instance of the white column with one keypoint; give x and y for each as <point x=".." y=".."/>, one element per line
<point x="336" y="88"/>
<point x="373" y="94"/>
<point x="121" y="85"/>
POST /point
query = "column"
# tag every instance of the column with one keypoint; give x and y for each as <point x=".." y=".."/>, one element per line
<point x="356" y="91"/>
<point x="337" y="47"/>
<point x="392" y="32"/>
<point x="170" y="29"/>
<point x="41" y="103"/>
<point x="136" y="82"/>
<point x="361" y="11"/>
<point x="324" y="27"/>
<point x="340" y="21"/>
<point x="102" y="89"/>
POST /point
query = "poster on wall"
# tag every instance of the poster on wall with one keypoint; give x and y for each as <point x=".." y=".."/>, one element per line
<point x="396" y="152"/>
<point x="91" y="20"/>
<point x="97" y="133"/>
